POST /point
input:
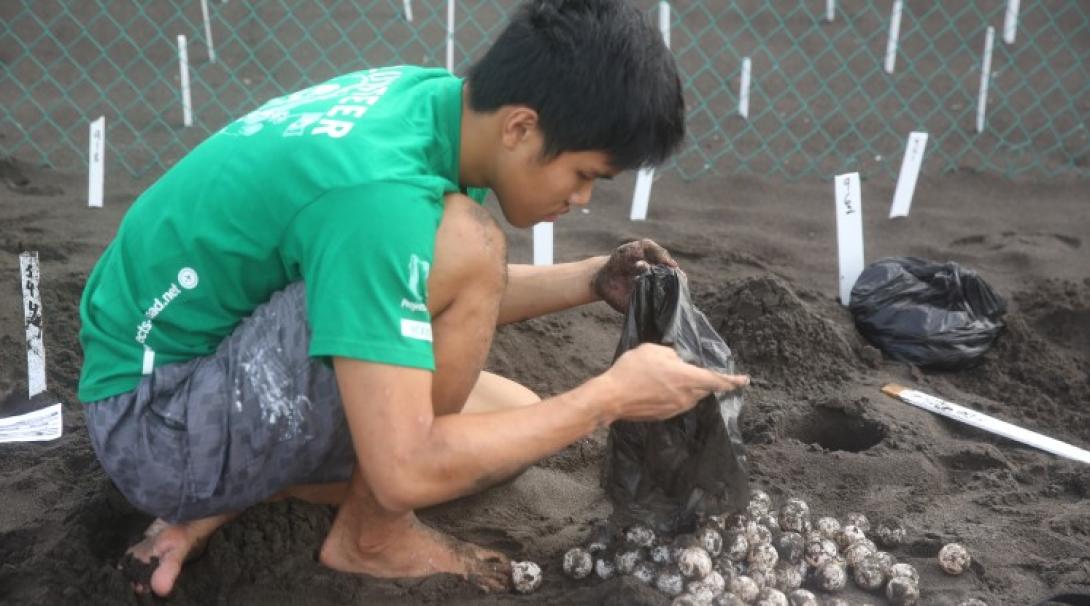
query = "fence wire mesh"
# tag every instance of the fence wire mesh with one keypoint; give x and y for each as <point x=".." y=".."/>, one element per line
<point x="820" y="99"/>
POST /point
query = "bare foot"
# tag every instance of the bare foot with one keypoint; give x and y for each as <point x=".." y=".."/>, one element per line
<point x="414" y="550"/>
<point x="155" y="562"/>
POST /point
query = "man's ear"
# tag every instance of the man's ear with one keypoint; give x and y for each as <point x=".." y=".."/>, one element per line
<point x="518" y="126"/>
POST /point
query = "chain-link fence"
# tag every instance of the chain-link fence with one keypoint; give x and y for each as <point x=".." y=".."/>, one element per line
<point x="820" y="100"/>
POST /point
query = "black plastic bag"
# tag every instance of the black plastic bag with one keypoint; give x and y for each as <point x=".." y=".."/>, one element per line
<point x="938" y="315"/>
<point x="667" y="474"/>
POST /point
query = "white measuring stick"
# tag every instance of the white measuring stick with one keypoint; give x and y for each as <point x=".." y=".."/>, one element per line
<point x="743" y="89"/>
<point x="543" y="243"/>
<point x="32" y="321"/>
<point x="664" y="22"/>
<point x="96" y="170"/>
<point x="450" y="36"/>
<point x="985" y="422"/>
<point x="641" y="196"/>
<point x="830" y="10"/>
<point x="849" y="233"/>
<point x="408" y="5"/>
<point x="1010" y="22"/>
<point x="985" y="76"/>
<point x="910" y="172"/>
<point x="208" y="32"/>
<point x="894" y="34"/>
<point x="183" y="67"/>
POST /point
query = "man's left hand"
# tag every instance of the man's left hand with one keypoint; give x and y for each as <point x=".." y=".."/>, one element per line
<point x="616" y="280"/>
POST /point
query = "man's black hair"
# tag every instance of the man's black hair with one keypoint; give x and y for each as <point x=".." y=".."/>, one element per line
<point x="597" y="73"/>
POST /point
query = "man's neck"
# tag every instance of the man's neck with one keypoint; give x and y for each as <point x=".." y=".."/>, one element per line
<point x="478" y="136"/>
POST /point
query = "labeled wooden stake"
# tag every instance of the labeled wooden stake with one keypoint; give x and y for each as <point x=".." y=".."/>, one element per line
<point x="894" y="34"/>
<point x="641" y="196"/>
<point x="450" y="36"/>
<point x="985" y="77"/>
<point x="910" y="172"/>
<point x="96" y="155"/>
<point x="208" y="32"/>
<point x="1010" y="22"/>
<point x="743" y="89"/>
<point x="32" y="322"/>
<point x="183" y="68"/>
<point x="830" y="10"/>
<point x="543" y="243"/>
<point x="849" y="233"/>
<point x="408" y="6"/>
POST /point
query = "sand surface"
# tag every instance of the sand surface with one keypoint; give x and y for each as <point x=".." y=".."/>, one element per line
<point x="762" y="265"/>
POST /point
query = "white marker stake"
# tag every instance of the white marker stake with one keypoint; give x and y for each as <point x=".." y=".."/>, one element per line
<point x="450" y="36"/>
<point x="97" y="162"/>
<point x="183" y="67"/>
<point x="641" y="197"/>
<point x="830" y="10"/>
<point x="32" y="321"/>
<point x="985" y="422"/>
<point x="408" y="10"/>
<point x="985" y="76"/>
<point x="208" y="32"/>
<point x="543" y="243"/>
<point x="743" y="89"/>
<point x="910" y="172"/>
<point x="849" y="232"/>
<point x="894" y="34"/>
<point x="1010" y="22"/>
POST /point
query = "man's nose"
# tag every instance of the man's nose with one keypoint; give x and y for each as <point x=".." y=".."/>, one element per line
<point x="581" y="196"/>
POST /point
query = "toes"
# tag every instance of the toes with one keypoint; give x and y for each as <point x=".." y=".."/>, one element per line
<point x="162" y="580"/>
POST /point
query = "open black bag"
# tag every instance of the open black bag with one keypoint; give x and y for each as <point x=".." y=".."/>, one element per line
<point x="938" y="315"/>
<point x="666" y="474"/>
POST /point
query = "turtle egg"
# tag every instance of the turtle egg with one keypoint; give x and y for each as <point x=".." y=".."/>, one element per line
<point x="907" y="571"/>
<point x="890" y="533"/>
<point x="669" y="582"/>
<point x="625" y="561"/>
<point x="795" y="516"/>
<point x="525" y="576"/>
<point x="639" y="535"/>
<point x="819" y="552"/>
<point x="831" y="576"/>
<point x="597" y="547"/>
<point x="660" y="554"/>
<point x="771" y="597"/>
<point x="789" y="546"/>
<point x="764" y="577"/>
<point x="857" y="551"/>
<point x="735" y="546"/>
<point x="868" y="574"/>
<point x="886" y="561"/>
<point x="849" y="534"/>
<point x="828" y="526"/>
<point x="645" y="571"/>
<point x="745" y="588"/>
<point x="716" y="581"/>
<point x="902" y="591"/>
<point x="770" y="521"/>
<point x="801" y="597"/>
<point x="701" y="591"/>
<point x="759" y="503"/>
<point x="710" y="540"/>
<point x="578" y="563"/>
<point x="763" y="556"/>
<point x="694" y="563"/>
<point x="788" y="576"/>
<point x="857" y="519"/>
<point x="756" y="534"/>
<point x="604" y="568"/>
<point x="728" y="599"/>
<point x="954" y="558"/>
<point x="687" y="599"/>
<point x="719" y="522"/>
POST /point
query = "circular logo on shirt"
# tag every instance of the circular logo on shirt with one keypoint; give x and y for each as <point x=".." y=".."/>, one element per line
<point x="187" y="278"/>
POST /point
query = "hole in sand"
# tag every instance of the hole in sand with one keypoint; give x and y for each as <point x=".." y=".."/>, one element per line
<point x="835" y="430"/>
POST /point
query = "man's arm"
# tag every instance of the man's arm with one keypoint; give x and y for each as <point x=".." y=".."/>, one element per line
<point x="412" y="459"/>
<point x="534" y="291"/>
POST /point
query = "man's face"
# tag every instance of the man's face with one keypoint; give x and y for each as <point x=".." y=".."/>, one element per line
<point x="532" y="188"/>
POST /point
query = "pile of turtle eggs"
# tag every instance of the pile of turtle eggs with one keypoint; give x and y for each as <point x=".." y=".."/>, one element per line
<point x="764" y="557"/>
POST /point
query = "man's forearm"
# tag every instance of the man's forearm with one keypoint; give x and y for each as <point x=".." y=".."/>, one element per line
<point x="465" y="453"/>
<point x="534" y="291"/>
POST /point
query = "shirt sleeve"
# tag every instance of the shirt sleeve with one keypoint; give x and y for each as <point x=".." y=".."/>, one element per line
<point x="365" y="253"/>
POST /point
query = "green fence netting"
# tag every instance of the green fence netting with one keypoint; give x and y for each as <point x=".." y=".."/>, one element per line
<point x="820" y="101"/>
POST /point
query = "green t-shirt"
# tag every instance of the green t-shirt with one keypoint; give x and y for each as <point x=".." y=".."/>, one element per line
<point x="339" y="185"/>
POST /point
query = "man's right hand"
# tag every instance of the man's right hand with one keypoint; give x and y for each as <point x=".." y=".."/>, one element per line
<point x="651" y="383"/>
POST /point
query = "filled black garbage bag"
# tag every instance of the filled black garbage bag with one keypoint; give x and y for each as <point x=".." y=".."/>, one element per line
<point x="668" y="473"/>
<point x="938" y="315"/>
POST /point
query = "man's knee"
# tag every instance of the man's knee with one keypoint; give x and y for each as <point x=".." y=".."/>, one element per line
<point x="470" y="253"/>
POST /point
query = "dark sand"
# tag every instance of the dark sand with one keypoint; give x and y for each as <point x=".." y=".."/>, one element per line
<point x="761" y="259"/>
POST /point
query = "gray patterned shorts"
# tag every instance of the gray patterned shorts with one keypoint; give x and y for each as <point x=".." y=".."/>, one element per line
<point x="221" y="433"/>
